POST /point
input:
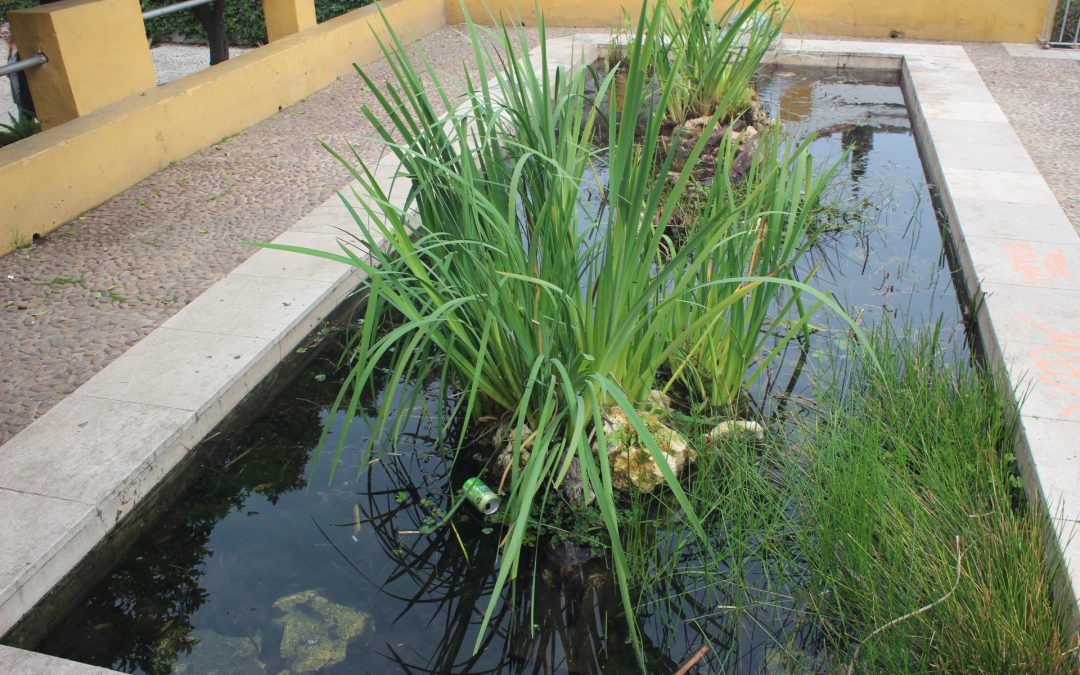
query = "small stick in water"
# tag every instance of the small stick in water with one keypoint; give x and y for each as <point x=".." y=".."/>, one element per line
<point x="700" y="654"/>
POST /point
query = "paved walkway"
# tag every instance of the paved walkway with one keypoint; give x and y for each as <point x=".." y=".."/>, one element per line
<point x="79" y="298"/>
<point x="82" y="296"/>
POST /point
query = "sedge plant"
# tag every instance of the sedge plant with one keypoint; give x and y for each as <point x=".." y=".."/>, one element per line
<point x="520" y="304"/>
<point x="923" y="553"/>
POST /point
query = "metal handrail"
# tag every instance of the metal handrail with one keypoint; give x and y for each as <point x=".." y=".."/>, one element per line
<point x="24" y="64"/>
<point x="169" y="9"/>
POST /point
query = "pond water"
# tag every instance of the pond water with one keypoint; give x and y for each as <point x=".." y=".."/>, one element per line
<point x="270" y="564"/>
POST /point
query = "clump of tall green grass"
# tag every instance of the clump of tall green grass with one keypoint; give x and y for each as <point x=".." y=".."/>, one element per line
<point x="923" y="554"/>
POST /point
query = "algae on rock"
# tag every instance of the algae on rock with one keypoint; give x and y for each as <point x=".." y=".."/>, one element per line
<point x="217" y="654"/>
<point x="316" y="632"/>
<point x="632" y="465"/>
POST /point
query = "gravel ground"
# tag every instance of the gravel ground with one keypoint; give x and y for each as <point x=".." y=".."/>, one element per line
<point x="1041" y="98"/>
<point x="91" y="289"/>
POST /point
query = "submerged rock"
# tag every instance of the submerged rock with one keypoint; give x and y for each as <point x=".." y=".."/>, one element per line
<point x="316" y="632"/>
<point x="217" y="654"/>
<point x="632" y="465"/>
<point x="735" y="427"/>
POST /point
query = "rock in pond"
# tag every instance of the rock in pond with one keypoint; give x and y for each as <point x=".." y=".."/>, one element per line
<point x="632" y="465"/>
<point x="316" y="632"/>
<point x="217" y="654"/>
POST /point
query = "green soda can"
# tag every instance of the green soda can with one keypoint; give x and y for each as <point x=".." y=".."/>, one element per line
<point x="481" y="496"/>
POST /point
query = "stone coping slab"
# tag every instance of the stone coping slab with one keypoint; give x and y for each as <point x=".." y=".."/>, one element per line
<point x="1031" y="51"/>
<point x="73" y="474"/>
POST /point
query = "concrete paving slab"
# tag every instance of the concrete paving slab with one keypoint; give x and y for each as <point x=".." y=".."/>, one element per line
<point x="1056" y="469"/>
<point x="1030" y="51"/>
<point x="277" y="264"/>
<point x="1011" y="220"/>
<point x="981" y="155"/>
<point x="975" y="111"/>
<point x="22" y="662"/>
<point x="968" y="131"/>
<point x="43" y="537"/>
<point x="1026" y="263"/>
<point x="999" y="186"/>
<point x="965" y="85"/>
<point x="249" y="306"/>
<point x="1022" y="313"/>
<point x="1048" y="377"/>
<point x="180" y="369"/>
<point x="91" y="447"/>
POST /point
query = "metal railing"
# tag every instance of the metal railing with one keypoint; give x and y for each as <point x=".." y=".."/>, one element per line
<point x="1066" y="32"/>
<point x="169" y="9"/>
<point x="24" y="64"/>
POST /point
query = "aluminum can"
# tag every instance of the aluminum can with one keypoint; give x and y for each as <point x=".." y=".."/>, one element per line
<point x="481" y="496"/>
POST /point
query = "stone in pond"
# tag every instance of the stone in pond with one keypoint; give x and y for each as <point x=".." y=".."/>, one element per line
<point x="217" y="654"/>
<point x="632" y="465"/>
<point x="316" y="632"/>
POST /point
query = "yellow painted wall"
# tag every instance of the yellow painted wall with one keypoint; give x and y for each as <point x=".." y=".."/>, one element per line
<point x="285" y="17"/>
<point x="52" y="177"/>
<point x="84" y="73"/>
<point x="969" y="20"/>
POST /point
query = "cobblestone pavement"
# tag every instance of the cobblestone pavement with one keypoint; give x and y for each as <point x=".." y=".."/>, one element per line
<point x="91" y="289"/>
<point x="1041" y="98"/>
<point x="82" y="296"/>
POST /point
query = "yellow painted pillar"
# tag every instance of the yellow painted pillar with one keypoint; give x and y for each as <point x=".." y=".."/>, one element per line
<point x="285" y="17"/>
<point x="97" y="53"/>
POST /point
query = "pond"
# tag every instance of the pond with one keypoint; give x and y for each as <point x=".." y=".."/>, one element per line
<point x="270" y="564"/>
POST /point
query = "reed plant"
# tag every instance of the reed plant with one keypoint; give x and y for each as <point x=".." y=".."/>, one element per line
<point x="713" y="58"/>
<point x="773" y="221"/>
<point x="523" y="305"/>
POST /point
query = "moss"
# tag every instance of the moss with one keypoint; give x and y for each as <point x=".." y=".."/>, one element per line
<point x="316" y="632"/>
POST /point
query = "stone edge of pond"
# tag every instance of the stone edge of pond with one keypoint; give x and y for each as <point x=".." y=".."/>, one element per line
<point x="137" y="419"/>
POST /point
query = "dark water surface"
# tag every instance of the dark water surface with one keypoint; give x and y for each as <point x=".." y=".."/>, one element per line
<point x="353" y="555"/>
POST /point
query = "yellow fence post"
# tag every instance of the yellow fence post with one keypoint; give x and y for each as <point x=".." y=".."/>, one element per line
<point x="285" y="17"/>
<point x="97" y="53"/>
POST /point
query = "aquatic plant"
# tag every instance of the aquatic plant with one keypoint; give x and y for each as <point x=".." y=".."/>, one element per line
<point x="520" y="302"/>
<point x="772" y="220"/>
<point x="713" y="59"/>
<point x="922" y="550"/>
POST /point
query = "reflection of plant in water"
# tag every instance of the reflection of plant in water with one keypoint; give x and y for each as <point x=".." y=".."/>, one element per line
<point x="139" y="617"/>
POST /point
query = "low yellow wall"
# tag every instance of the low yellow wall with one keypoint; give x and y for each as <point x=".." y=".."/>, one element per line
<point x="969" y="20"/>
<point x="52" y="177"/>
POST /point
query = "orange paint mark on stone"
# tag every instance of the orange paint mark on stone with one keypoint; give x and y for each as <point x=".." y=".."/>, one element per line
<point x="1058" y="364"/>
<point x="1025" y="261"/>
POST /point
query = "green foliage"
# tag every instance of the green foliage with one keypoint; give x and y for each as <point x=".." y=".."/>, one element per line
<point x="915" y="459"/>
<point x="8" y="5"/>
<point x="24" y="126"/>
<point x="712" y="60"/>
<point x="1066" y="26"/>
<point x="245" y="23"/>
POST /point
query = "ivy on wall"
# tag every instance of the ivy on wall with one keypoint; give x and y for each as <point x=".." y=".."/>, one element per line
<point x="245" y="23"/>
